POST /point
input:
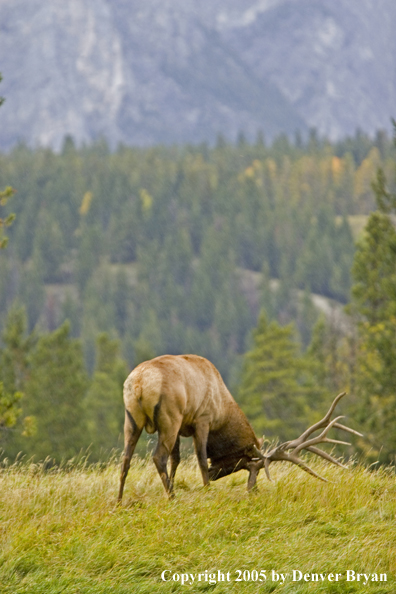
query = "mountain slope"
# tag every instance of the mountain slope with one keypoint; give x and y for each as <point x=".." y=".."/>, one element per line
<point x="172" y="71"/>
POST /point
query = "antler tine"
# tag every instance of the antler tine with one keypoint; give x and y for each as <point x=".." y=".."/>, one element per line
<point x="289" y="450"/>
<point x="258" y="453"/>
<point x="277" y="455"/>
<point x="322" y="438"/>
<point x="267" y="462"/>
<point x="296" y="460"/>
<point x="325" y="455"/>
<point x="344" y="428"/>
<point x="305" y="467"/>
<point x="319" y="424"/>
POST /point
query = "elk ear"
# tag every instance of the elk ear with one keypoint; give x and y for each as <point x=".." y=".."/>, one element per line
<point x="261" y="441"/>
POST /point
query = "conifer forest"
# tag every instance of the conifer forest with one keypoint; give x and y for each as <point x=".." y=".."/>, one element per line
<point x="275" y="261"/>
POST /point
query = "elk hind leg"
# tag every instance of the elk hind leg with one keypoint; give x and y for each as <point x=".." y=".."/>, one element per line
<point x="166" y="445"/>
<point x="175" y="461"/>
<point x="131" y="434"/>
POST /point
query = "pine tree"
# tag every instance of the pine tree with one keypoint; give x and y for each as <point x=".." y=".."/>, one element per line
<point x="9" y="409"/>
<point x="5" y="195"/>
<point x="14" y="357"/>
<point x="104" y="409"/>
<point x="276" y="390"/>
<point x="50" y="246"/>
<point x="374" y="306"/>
<point x="332" y="351"/>
<point x="307" y="315"/>
<point x="14" y="369"/>
<point x="121" y="296"/>
<point x="374" y="272"/>
<point x="54" y="394"/>
<point x="267" y="293"/>
<point x="32" y="292"/>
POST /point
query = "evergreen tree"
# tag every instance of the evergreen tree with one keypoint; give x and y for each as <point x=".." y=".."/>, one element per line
<point x="267" y="293"/>
<point x="307" y="315"/>
<point x="14" y="368"/>
<point x="121" y="297"/>
<point x="125" y="233"/>
<point x="49" y="247"/>
<point x="32" y="291"/>
<point x="71" y="311"/>
<point x="374" y="305"/>
<point x="99" y="311"/>
<point x="276" y="390"/>
<point x="104" y="409"/>
<point x="14" y="357"/>
<point x="332" y="351"/>
<point x="54" y="395"/>
<point x="9" y="410"/>
<point x="90" y="249"/>
<point x="374" y="271"/>
<point x="5" y="195"/>
<point x="150" y="342"/>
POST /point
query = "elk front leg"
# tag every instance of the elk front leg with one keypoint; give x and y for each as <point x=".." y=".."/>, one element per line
<point x="131" y="435"/>
<point x="200" y="442"/>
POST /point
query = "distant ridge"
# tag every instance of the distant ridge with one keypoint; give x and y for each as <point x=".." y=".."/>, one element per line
<point x="170" y="71"/>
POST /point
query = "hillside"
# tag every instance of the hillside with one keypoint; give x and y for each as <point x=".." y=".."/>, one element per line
<point x="117" y="257"/>
<point x="183" y="71"/>
<point x="172" y="250"/>
<point x="62" y="532"/>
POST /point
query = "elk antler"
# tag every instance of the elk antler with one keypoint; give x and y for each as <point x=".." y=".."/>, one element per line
<point x="289" y="450"/>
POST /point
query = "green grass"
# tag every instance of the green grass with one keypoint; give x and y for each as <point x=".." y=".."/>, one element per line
<point x="61" y="532"/>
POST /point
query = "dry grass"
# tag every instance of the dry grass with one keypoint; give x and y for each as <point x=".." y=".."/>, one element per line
<point x="61" y="532"/>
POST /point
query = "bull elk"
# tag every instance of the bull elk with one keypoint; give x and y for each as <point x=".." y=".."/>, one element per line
<point x="185" y="395"/>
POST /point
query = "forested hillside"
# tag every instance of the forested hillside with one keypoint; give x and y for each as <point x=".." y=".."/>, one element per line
<point x="115" y="257"/>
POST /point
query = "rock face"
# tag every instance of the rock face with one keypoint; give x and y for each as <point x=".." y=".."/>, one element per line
<point x="334" y="60"/>
<point x="164" y="71"/>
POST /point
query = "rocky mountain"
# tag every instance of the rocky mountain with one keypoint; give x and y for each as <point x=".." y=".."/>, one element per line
<point x="164" y="71"/>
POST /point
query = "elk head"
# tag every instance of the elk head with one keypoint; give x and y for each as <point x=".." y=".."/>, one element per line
<point x="254" y="459"/>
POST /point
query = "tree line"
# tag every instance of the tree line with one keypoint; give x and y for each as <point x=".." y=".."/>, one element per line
<point x="117" y="257"/>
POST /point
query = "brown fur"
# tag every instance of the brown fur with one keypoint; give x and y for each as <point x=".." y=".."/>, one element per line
<point x="185" y="395"/>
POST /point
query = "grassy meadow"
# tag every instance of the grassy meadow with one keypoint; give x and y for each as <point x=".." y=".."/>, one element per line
<point x="60" y="530"/>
